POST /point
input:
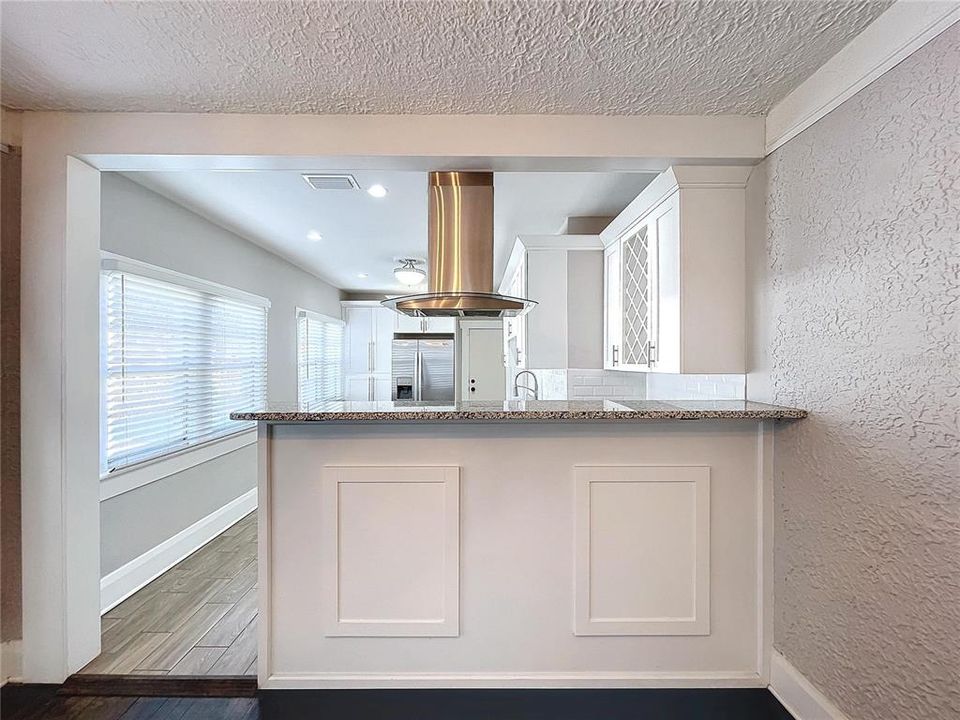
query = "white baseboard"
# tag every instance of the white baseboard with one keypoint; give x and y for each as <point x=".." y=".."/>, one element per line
<point x="797" y="694"/>
<point x="126" y="580"/>
<point x="339" y="681"/>
<point x="11" y="661"/>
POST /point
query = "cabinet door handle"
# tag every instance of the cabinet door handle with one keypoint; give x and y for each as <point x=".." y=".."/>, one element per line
<point x="370" y="356"/>
<point x="651" y="351"/>
<point x="615" y="352"/>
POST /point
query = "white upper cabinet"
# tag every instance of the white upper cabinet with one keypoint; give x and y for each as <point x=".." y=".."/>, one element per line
<point x="674" y="275"/>
<point x="405" y="324"/>
<point x="563" y="274"/>
<point x="514" y="328"/>
<point x="612" y="308"/>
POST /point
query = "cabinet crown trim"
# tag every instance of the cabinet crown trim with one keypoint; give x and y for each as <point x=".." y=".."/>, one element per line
<point x="683" y="177"/>
<point x="533" y="243"/>
<point x="560" y="242"/>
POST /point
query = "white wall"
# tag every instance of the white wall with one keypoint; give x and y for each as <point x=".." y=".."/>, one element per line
<point x="855" y="318"/>
<point x="140" y="224"/>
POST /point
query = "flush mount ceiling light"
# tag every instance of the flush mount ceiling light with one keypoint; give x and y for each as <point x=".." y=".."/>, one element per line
<point x="314" y="236"/>
<point x="408" y="273"/>
<point x="377" y="191"/>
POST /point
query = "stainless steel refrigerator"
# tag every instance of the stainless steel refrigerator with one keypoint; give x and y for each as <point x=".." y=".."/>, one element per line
<point x="423" y="367"/>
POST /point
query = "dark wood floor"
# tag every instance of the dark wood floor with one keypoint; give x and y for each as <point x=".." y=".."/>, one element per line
<point x="756" y="704"/>
<point x="198" y="618"/>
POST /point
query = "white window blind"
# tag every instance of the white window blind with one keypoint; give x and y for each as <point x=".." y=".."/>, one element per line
<point x="178" y="355"/>
<point x="319" y="359"/>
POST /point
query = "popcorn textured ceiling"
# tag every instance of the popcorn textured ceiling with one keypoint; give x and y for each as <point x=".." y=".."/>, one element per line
<point x="423" y="57"/>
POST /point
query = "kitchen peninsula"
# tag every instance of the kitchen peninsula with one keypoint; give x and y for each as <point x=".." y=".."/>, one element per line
<point x="525" y="544"/>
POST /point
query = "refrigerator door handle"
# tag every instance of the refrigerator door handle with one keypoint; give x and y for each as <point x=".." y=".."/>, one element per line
<point x="418" y="382"/>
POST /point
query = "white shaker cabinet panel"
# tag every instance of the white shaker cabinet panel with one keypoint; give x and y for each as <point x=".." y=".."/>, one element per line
<point x="357" y="387"/>
<point x="642" y="550"/>
<point x="407" y="324"/>
<point x="358" y="340"/>
<point x="612" y="308"/>
<point x="384" y="322"/>
<point x="390" y="552"/>
<point x="482" y="372"/>
<point x="440" y="325"/>
<point x="382" y="387"/>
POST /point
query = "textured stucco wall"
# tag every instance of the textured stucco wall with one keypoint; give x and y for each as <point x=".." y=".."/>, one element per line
<point x="858" y="302"/>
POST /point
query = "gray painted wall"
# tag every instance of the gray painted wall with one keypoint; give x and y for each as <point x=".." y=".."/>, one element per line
<point x="585" y="309"/>
<point x="141" y="224"/>
<point x="855" y="318"/>
<point x="139" y="520"/>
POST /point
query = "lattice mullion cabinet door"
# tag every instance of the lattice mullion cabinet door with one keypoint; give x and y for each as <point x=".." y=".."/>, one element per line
<point x="637" y="299"/>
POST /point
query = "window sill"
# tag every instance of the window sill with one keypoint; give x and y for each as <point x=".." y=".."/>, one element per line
<point x="127" y="479"/>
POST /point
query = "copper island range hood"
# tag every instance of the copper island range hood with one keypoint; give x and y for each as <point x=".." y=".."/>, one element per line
<point x="460" y="253"/>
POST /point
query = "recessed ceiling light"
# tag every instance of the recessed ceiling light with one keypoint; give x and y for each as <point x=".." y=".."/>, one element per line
<point x="361" y="275"/>
<point x="378" y="190"/>
<point x="315" y="236"/>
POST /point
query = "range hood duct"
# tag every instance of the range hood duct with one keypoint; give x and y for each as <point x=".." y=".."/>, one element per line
<point x="460" y="253"/>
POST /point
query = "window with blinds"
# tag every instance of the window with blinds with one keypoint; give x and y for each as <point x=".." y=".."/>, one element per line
<point x="319" y="359"/>
<point x="178" y="355"/>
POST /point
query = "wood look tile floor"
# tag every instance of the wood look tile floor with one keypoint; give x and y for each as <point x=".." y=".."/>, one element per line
<point x="198" y="618"/>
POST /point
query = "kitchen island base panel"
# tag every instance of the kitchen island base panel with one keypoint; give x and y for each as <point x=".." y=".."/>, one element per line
<point x="517" y="562"/>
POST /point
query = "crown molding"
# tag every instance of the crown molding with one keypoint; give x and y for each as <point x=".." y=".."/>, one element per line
<point x="677" y="177"/>
<point x="903" y="29"/>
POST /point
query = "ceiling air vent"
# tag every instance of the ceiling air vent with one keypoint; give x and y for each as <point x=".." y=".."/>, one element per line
<point x="331" y="182"/>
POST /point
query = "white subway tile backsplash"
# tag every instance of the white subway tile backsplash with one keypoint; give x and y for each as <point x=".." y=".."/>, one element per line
<point x="662" y="386"/>
<point x="606" y="384"/>
<point x="561" y="384"/>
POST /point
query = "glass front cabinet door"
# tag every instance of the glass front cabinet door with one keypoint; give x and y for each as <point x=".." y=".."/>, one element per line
<point x="638" y="299"/>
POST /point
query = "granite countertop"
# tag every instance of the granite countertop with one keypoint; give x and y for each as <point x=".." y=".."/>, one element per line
<point x="524" y="410"/>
